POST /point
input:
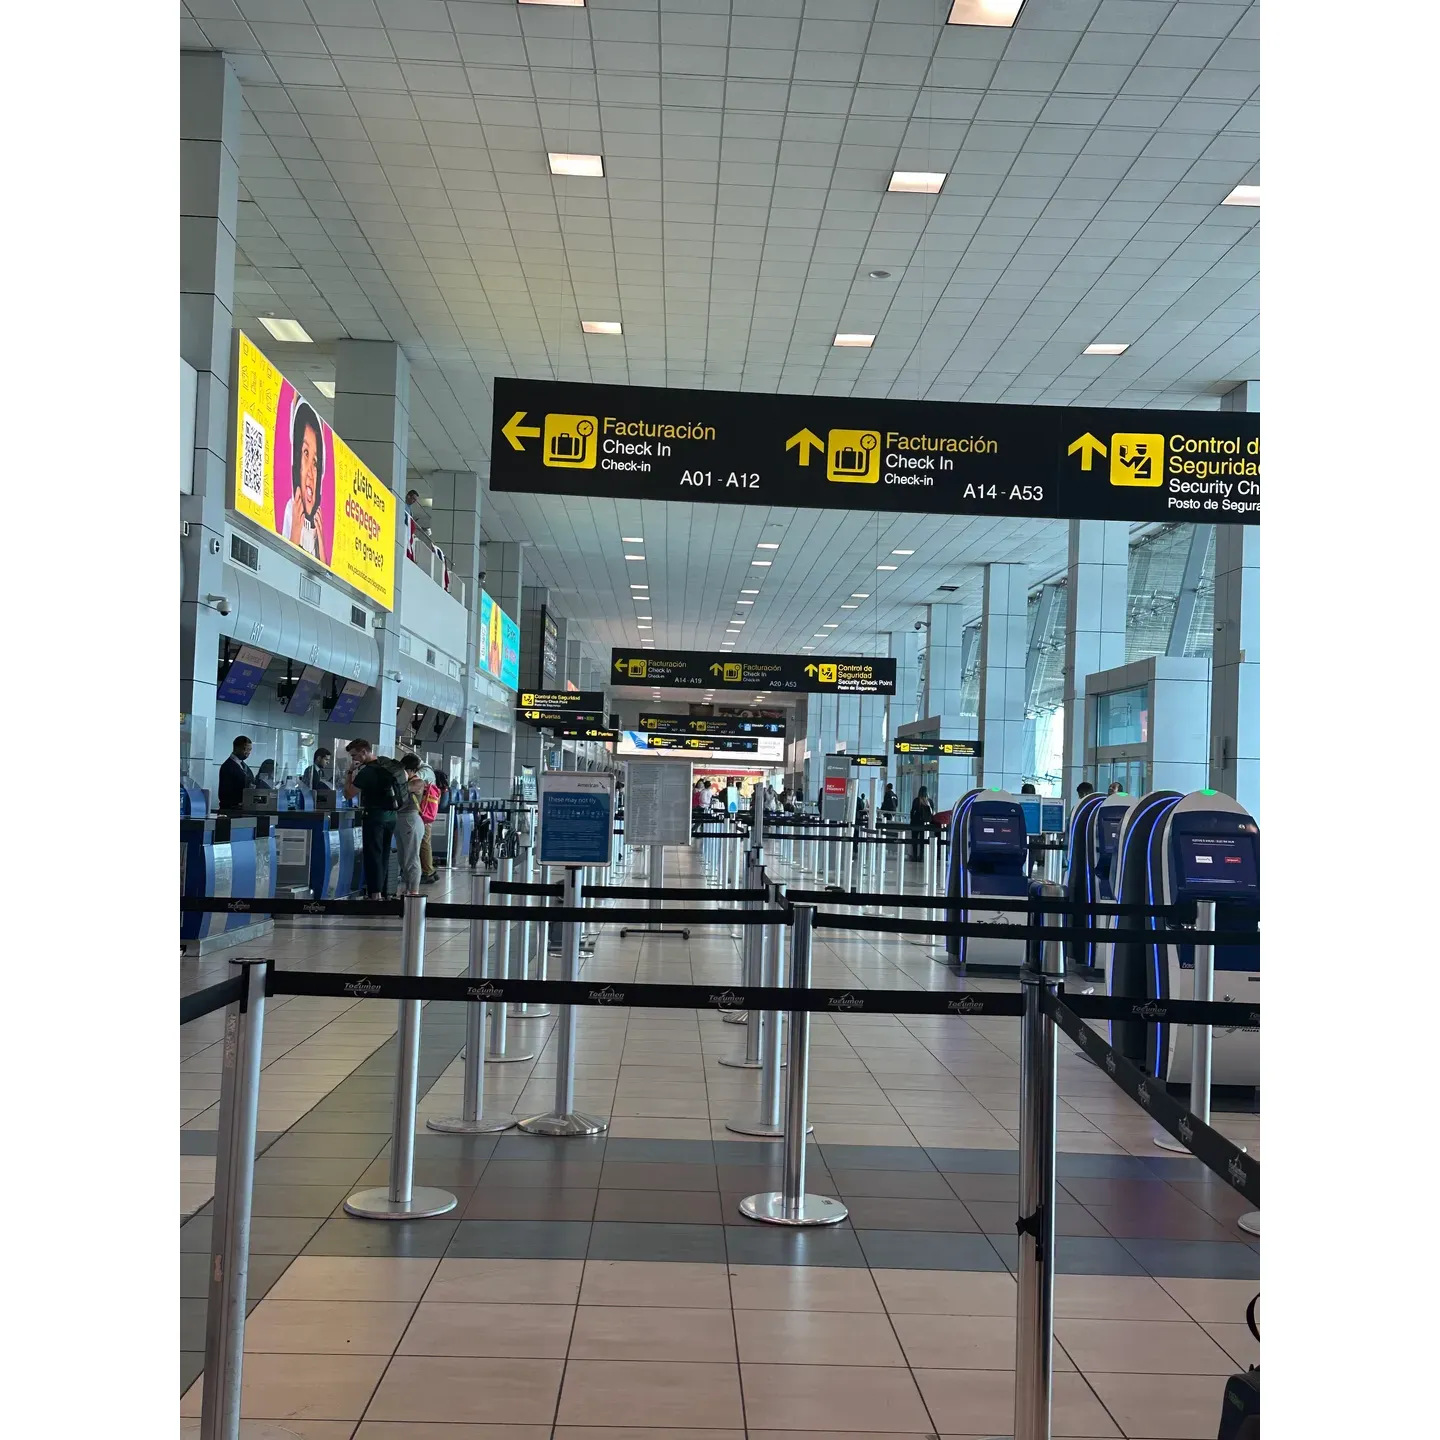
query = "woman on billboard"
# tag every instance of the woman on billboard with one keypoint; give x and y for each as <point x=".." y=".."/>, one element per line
<point x="302" y="525"/>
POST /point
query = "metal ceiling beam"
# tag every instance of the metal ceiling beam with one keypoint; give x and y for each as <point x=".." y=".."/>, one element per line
<point x="1189" y="588"/>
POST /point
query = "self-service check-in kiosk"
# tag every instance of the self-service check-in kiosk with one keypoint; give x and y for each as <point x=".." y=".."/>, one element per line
<point x="1079" y="877"/>
<point x="988" y="859"/>
<point x="1176" y="849"/>
<point x="1103" y="858"/>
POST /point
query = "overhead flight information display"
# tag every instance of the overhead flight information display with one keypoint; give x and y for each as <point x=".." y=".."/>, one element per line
<point x="709" y="725"/>
<point x="840" y="674"/>
<point x="857" y="453"/>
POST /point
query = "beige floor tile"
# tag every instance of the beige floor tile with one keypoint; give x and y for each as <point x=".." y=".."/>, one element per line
<point x="814" y="1337"/>
<point x="641" y="1332"/>
<point x="961" y="1342"/>
<point x="528" y="1331"/>
<point x="1162" y="1407"/>
<point x="1151" y="1347"/>
<point x="629" y="1432"/>
<point x="281" y="1430"/>
<point x="507" y="1282"/>
<point x="302" y="1387"/>
<point x="802" y="1287"/>
<point x="467" y="1389"/>
<point x="327" y="1327"/>
<point x="946" y="1292"/>
<point x="425" y="1430"/>
<point x="647" y="1282"/>
<point x="982" y="1402"/>
<point x="1113" y="1297"/>
<point x="832" y="1398"/>
<point x="837" y="1133"/>
<point x="1213" y="1301"/>
<point x="1237" y="1342"/>
<point x="337" y="1277"/>
<point x="638" y="1393"/>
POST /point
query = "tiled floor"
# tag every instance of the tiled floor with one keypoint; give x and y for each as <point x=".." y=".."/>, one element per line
<point x="608" y="1288"/>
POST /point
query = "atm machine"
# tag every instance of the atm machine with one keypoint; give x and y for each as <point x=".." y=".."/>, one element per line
<point x="1174" y="849"/>
<point x="989" y="858"/>
<point x="1102" y="858"/>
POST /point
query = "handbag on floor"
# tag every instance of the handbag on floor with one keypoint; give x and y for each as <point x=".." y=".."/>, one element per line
<point x="1240" y="1415"/>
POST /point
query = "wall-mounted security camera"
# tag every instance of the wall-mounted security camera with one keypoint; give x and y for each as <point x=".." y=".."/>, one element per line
<point x="215" y="546"/>
<point x="219" y="602"/>
<point x="922" y="625"/>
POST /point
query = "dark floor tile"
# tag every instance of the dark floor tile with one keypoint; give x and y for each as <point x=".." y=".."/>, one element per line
<point x="751" y="1178"/>
<point x="910" y="1184"/>
<point x="921" y="1250"/>
<point x="1118" y="1167"/>
<point x="1214" y="1197"/>
<point x="263" y="1272"/>
<point x="192" y="1366"/>
<point x="1092" y="1190"/>
<point x="665" y="1207"/>
<point x="298" y="1200"/>
<point x="1175" y="1167"/>
<point x="996" y="1216"/>
<point x="519" y="1146"/>
<point x="204" y="1142"/>
<point x="504" y="1202"/>
<point x="269" y="1234"/>
<point x="344" y="1122"/>
<point x="1196" y="1259"/>
<point x="752" y="1152"/>
<point x="349" y="1235"/>
<point x="644" y="1174"/>
<point x="434" y="1145"/>
<point x="310" y="1170"/>
<point x="192" y="1325"/>
<point x="1076" y="1255"/>
<point x="968" y="1186"/>
<point x="558" y="1173"/>
<point x="1127" y="1222"/>
<point x="875" y="1157"/>
<point x="520" y="1240"/>
<point x="669" y="1152"/>
<point x="612" y="1240"/>
<point x="754" y="1243"/>
<point x="306" y="1145"/>
<point x="439" y="1170"/>
<point x="898" y="1212"/>
<point x="976" y="1162"/>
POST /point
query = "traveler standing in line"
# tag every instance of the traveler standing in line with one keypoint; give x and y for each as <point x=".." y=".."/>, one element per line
<point x="922" y="816"/>
<point x="889" y="802"/>
<point x="382" y="788"/>
<point x="429" y="808"/>
<point x="1028" y="789"/>
<point x="235" y="775"/>
<point x="409" y="827"/>
<point x="1115" y="788"/>
<point x="1083" y="789"/>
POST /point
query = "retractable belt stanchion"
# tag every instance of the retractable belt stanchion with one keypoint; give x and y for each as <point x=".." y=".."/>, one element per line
<point x="1035" y="1275"/>
<point x="790" y="1205"/>
<point x="751" y="949"/>
<point x="472" y="1120"/>
<point x="230" y="1226"/>
<point x="564" y="1119"/>
<point x="529" y="931"/>
<point x="499" y="1053"/>
<point x="403" y="1199"/>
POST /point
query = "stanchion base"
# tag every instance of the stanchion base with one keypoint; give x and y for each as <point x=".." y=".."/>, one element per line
<point x="1168" y="1142"/>
<point x="734" y="1017"/>
<point x="485" y="1125"/>
<point x="424" y="1201"/>
<point x="1249" y="1222"/>
<point x="742" y="1063"/>
<point x="761" y="1128"/>
<point x="249" y="1430"/>
<point x="507" y="1059"/>
<point x="812" y="1210"/>
<point x="573" y="1123"/>
<point x="520" y="1012"/>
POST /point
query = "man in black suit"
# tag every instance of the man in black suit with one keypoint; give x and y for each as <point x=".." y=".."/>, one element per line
<point x="235" y="775"/>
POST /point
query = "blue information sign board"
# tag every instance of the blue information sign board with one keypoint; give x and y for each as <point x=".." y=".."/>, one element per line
<point x="576" y="818"/>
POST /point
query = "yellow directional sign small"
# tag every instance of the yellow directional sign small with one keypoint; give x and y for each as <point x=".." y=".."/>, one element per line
<point x="734" y="672"/>
<point x="1089" y="447"/>
<point x="854" y="457"/>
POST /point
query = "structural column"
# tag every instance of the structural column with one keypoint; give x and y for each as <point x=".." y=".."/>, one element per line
<point x="1097" y="597"/>
<point x="1003" y="644"/>
<point x="210" y="115"/>
<point x="372" y="413"/>
<point x="949" y="653"/>
<point x="905" y="646"/>
<point x="503" y="567"/>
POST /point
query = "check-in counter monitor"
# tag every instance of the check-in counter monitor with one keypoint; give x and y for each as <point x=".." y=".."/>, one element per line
<point x="989" y="859"/>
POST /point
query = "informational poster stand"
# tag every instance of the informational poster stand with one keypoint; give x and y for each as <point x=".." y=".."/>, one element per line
<point x="577" y="814"/>
<point x="657" y="814"/>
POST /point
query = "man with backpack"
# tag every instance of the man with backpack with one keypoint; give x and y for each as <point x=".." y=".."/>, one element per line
<point x="383" y="789"/>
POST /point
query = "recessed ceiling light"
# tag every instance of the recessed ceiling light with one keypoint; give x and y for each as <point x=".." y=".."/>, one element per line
<point x="644" y="617"/>
<point x="632" y="539"/>
<point x="861" y="342"/>
<point x="902" y="552"/>
<point x="767" y="545"/>
<point x="737" y="622"/>
<point x="573" y="4"/>
<point x="849" y="607"/>
<point x="887" y="567"/>
<point x="601" y="327"/>
<point x="807" y="647"/>
<point x="1106" y="348"/>
<point x="744" y="602"/>
<point x="1243" y="195"/>
<point x="916" y="182"/>
<point x="983" y="12"/>
<point x="634" y="557"/>
<point x="326" y="388"/>
<point x="831" y="625"/>
<point x="819" y="635"/>
<point x="860" y="595"/>
<point x="292" y="332"/>
<point x="640" y="587"/>
<point x="761" y="563"/>
<point x="591" y="165"/>
<point x="749" y="592"/>
<point x="879" y="274"/>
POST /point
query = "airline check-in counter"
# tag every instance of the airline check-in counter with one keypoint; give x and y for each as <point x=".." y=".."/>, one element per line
<point x="221" y="856"/>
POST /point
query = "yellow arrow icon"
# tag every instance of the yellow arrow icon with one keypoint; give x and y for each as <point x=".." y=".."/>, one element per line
<point x="807" y="440"/>
<point x="514" y="431"/>
<point x="716" y="669"/>
<point x="1089" y="447"/>
<point x="810" y="670"/>
<point x="619" y="664"/>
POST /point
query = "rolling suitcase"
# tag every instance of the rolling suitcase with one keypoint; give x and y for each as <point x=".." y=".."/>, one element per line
<point x="1240" y="1412"/>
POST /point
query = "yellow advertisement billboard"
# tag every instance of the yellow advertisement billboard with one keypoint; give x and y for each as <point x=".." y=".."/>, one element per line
<point x="296" y="478"/>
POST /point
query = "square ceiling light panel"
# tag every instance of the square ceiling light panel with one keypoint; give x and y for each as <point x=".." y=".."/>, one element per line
<point x="916" y="182"/>
<point x="588" y="165"/>
<point x="861" y="342"/>
<point x="1243" y="195"/>
<point x="984" y="12"/>
<point x="1102" y="347"/>
<point x="292" y="332"/>
<point x="601" y="327"/>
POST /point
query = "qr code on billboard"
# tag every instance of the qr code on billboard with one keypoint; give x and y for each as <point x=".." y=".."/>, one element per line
<point x="252" y="460"/>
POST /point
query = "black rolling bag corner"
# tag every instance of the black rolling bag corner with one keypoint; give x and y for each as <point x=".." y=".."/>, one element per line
<point x="1240" y="1416"/>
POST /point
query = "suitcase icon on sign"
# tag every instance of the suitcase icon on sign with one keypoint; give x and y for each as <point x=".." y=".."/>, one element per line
<point x="569" y="442"/>
<point x="853" y="456"/>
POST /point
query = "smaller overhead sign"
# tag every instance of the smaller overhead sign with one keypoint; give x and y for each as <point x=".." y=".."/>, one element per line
<point x="558" y="721"/>
<point x="565" y="701"/>
<point x="738" y="743"/>
<point x="881" y="760"/>
<point x="839" y="675"/>
<point x="965" y="749"/>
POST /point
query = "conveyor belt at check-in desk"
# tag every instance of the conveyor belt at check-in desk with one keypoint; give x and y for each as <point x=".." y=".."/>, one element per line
<point x="221" y="856"/>
<point x="318" y="851"/>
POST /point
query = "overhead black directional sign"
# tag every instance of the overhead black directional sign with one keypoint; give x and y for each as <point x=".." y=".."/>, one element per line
<point x="551" y="719"/>
<point x="854" y="453"/>
<point x="709" y="725"/>
<point x="565" y="701"/>
<point x="738" y="743"/>
<point x="838" y="674"/>
<point x="969" y="749"/>
<point x="881" y="760"/>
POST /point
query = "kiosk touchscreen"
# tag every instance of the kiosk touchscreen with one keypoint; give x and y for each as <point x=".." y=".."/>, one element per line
<point x="989" y="859"/>
<point x="1079" y="874"/>
<point x="1104" y="853"/>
